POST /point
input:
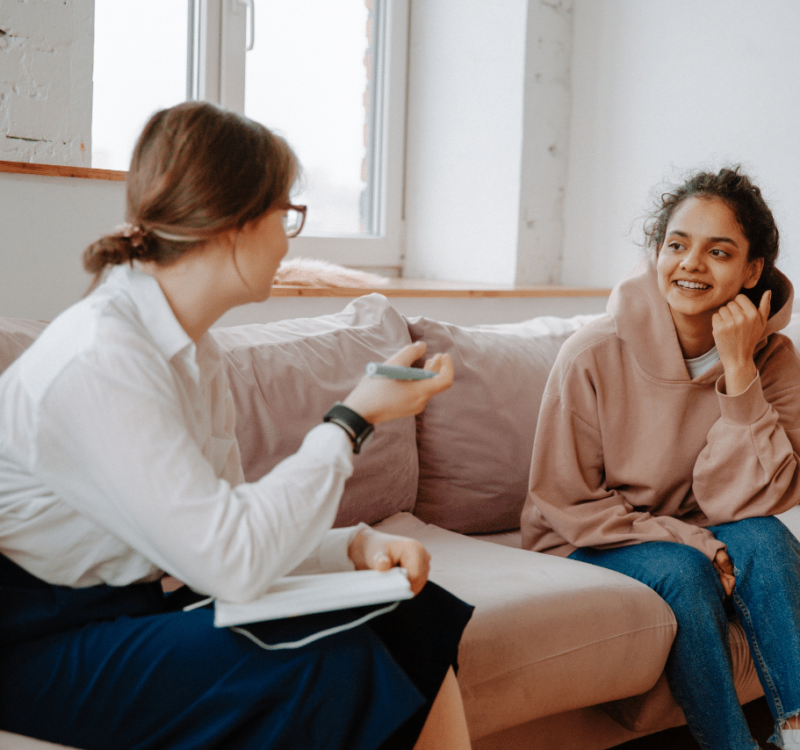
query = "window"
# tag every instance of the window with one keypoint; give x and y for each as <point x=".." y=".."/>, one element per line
<point x="329" y="75"/>
<point x="139" y="67"/>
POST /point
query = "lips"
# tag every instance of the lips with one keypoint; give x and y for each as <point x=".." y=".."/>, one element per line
<point x="684" y="284"/>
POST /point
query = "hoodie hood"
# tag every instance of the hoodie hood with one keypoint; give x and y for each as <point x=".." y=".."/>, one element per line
<point x="643" y="320"/>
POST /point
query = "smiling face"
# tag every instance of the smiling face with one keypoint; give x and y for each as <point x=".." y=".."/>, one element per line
<point x="703" y="263"/>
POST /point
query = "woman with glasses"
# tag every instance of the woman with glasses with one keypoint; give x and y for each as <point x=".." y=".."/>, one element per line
<point x="119" y="464"/>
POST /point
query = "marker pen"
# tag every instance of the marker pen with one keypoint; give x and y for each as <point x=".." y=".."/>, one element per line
<point x="396" y="372"/>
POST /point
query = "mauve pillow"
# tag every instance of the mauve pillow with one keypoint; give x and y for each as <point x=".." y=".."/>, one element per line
<point x="475" y="440"/>
<point x="16" y="335"/>
<point x="286" y="375"/>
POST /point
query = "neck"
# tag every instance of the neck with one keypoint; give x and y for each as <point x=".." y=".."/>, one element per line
<point x="195" y="287"/>
<point x="695" y="333"/>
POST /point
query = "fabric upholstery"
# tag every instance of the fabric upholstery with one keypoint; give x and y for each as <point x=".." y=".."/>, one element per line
<point x="548" y="634"/>
<point x="475" y="440"/>
<point x="284" y="377"/>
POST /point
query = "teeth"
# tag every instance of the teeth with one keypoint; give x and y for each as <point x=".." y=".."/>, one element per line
<point x="691" y="285"/>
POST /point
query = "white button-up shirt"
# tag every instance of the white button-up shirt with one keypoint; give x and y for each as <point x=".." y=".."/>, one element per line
<point x="118" y="459"/>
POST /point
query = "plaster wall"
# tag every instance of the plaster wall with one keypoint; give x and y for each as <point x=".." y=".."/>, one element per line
<point x="547" y="103"/>
<point x="663" y="86"/>
<point x="487" y="139"/>
<point x="46" y="224"/>
<point x="46" y="60"/>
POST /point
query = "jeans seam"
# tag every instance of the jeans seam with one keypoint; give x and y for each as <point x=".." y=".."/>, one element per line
<point x="757" y="655"/>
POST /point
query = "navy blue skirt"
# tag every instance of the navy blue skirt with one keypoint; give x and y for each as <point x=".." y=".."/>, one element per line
<point x="126" y="668"/>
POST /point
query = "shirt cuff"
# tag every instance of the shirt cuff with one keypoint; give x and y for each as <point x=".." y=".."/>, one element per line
<point x="745" y="408"/>
<point x="333" y="549"/>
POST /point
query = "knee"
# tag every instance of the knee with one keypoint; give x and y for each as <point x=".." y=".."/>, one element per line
<point x="685" y="576"/>
<point x="762" y="541"/>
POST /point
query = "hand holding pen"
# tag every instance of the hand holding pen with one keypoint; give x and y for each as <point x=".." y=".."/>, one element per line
<point x="392" y="393"/>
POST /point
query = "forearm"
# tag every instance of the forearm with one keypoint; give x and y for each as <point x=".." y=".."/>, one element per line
<point x="739" y="376"/>
<point x="749" y="464"/>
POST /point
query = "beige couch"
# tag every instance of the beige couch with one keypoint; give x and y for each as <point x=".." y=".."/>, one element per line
<point x="558" y="654"/>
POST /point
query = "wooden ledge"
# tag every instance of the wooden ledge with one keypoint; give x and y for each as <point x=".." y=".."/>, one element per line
<point x="54" y="170"/>
<point x="428" y="288"/>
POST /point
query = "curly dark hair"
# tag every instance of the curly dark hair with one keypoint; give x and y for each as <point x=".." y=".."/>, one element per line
<point x="748" y="205"/>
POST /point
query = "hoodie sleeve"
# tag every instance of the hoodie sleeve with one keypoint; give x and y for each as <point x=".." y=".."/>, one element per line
<point x="749" y="466"/>
<point x="568" y="493"/>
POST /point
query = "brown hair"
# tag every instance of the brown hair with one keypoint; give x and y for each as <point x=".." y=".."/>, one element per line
<point x="744" y="198"/>
<point x="196" y="171"/>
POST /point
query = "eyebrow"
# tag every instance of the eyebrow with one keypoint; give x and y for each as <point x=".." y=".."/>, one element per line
<point x="728" y="240"/>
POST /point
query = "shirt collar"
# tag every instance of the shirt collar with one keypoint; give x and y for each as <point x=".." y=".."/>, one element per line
<point x="154" y="310"/>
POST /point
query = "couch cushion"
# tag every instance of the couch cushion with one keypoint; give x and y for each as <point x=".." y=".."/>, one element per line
<point x="16" y="335"/>
<point x="10" y="741"/>
<point x="548" y="634"/>
<point x="656" y="709"/>
<point x="475" y="440"/>
<point x="286" y="375"/>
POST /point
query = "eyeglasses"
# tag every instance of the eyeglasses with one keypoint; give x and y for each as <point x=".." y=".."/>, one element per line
<point x="294" y="218"/>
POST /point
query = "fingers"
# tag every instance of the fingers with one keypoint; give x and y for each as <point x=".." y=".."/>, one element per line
<point x="724" y="566"/>
<point x="385" y="551"/>
<point x="416" y="560"/>
<point x="763" y="308"/>
<point x="443" y="364"/>
<point x="382" y="399"/>
<point x="408" y="354"/>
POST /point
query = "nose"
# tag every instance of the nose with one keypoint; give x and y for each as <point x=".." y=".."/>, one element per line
<point x="693" y="260"/>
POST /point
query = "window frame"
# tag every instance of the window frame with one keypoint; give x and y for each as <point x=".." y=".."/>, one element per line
<point x="217" y="50"/>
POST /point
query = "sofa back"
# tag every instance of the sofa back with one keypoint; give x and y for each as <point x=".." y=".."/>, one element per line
<point x="463" y="464"/>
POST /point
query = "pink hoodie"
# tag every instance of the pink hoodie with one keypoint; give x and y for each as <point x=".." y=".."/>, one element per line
<point x="628" y="449"/>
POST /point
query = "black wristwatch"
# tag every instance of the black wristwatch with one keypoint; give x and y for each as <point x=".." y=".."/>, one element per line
<point x="356" y="427"/>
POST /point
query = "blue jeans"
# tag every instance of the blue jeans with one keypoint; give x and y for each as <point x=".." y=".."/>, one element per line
<point x="766" y="560"/>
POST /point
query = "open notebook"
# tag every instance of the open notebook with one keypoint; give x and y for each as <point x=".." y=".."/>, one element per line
<point x="292" y="596"/>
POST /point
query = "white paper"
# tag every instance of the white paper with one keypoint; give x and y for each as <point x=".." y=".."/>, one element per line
<point x="291" y="596"/>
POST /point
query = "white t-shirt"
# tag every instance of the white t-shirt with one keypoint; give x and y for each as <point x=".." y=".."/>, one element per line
<point x="118" y="460"/>
<point x="698" y="365"/>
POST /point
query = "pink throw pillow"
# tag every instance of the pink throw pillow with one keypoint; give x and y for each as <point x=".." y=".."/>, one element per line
<point x="286" y="375"/>
<point x="475" y="440"/>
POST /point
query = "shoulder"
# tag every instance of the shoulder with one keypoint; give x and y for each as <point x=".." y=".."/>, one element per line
<point x="587" y="343"/>
<point x="585" y="359"/>
<point x="102" y="329"/>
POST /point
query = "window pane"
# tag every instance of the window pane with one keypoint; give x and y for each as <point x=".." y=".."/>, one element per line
<point x="306" y="78"/>
<point x="139" y="67"/>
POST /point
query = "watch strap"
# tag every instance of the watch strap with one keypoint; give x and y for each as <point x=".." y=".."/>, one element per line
<point x="356" y="427"/>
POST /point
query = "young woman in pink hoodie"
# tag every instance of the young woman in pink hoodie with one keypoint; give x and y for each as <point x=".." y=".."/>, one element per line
<point x="668" y="440"/>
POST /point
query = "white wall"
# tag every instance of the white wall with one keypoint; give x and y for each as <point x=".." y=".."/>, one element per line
<point x="46" y="61"/>
<point x="46" y="224"/>
<point x="487" y="139"/>
<point x="662" y="86"/>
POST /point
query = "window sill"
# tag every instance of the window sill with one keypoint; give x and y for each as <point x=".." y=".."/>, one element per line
<point x="428" y="288"/>
<point x="57" y="170"/>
